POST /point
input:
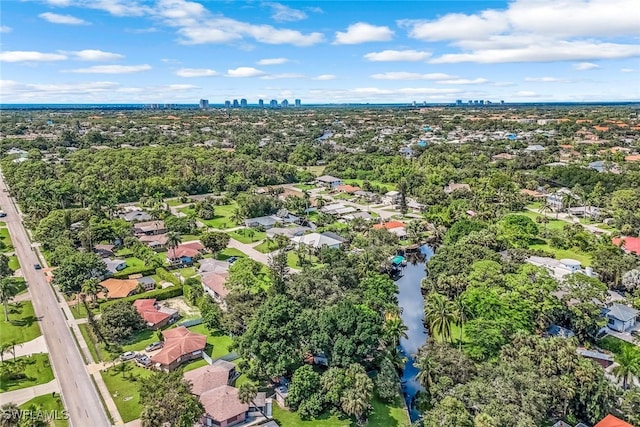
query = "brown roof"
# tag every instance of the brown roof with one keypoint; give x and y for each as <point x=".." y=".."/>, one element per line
<point x="178" y="342"/>
<point x="389" y="225"/>
<point x="215" y="282"/>
<point x="149" y="312"/>
<point x="119" y="288"/>
<point x="186" y="250"/>
<point x="347" y="188"/>
<point x="209" y="377"/>
<point x="222" y="403"/>
<point x="635" y="158"/>
<point x="611" y="421"/>
<point x="531" y="193"/>
<point x="160" y="238"/>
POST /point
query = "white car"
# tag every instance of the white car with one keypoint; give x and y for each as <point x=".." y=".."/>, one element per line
<point x="128" y="355"/>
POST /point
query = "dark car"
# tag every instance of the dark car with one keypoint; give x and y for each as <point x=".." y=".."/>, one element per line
<point x="143" y="360"/>
<point x="232" y="259"/>
<point x="2" y="214"/>
<point x="37" y="266"/>
<point x="154" y="346"/>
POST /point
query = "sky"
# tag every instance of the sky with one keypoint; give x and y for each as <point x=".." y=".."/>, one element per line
<point x="179" y="51"/>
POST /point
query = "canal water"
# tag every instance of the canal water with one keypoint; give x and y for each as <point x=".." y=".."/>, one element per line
<point x="412" y="304"/>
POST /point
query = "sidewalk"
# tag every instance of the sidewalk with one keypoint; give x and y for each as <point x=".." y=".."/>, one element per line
<point x="25" y="394"/>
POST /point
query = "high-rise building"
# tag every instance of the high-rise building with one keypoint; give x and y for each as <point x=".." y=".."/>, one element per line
<point x="227" y="104"/>
<point x="243" y="103"/>
<point x="482" y="102"/>
<point x="458" y="101"/>
<point x="285" y="104"/>
<point x="204" y="104"/>
<point x="470" y="102"/>
<point x="261" y="103"/>
<point x="235" y="103"/>
<point x="273" y="103"/>
<point x="298" y="103"/>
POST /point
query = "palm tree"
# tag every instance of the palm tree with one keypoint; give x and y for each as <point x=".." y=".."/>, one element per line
<point x="173" y="240"/>
<point x="8" y="290"/>
<point x="269" y="241"/>
<point x="546" y="207"/>
<point x="425" y="374"/>
<point x="628" y="365"/>
<point x="355" y="400"/>
<point x="439" y="315"/>
<point x="460" y="316"/>
<point x="237" y="216"/>
<point x="567" y="200"/>
<point x="10" y="415"/>
<point x="247" y="393"/>
<point x="393" y="330"/>
<point x="92" y="287"/>
<point x="251" y="233"/>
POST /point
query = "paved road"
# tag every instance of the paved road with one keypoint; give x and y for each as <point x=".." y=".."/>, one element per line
<point x="79" y="395"/>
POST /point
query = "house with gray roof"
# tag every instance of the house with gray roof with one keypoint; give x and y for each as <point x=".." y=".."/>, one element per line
<point x="621" y="318"/>
<point x="328" y="181"/>
<point x="136" y="216"/>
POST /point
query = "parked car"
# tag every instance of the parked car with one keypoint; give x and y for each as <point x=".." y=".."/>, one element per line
<point x="37" y="266"/>
<point x="128" y="355"/>
<point x="143" y="359"/>
<point x="154" y="346"/>
<point x="232" y="259"/>
<point x="2" y="214"/>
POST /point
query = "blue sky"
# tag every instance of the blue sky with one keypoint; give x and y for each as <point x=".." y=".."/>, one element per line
<point x="178" y="51"/>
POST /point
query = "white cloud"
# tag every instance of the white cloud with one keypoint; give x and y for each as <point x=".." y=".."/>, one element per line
<point x="55" y="18"/>
<point x="95" y="55"/>
<point x="30" y="91"/>
<point x="30" y="56"/>
<point x="403" y="75"/>
<point x="118" y="7"/>
<point x="179" y="87"/>
<point x="397" y="55"/>
<point x="244" y="72"/>
<point x="283" y="76"/>
<point x="535" y="31"/>
<point x="627" y="70"/>
<point x="526" y="94"/>
<point x="584" y="66"/>
<point x="5" y="29"/>
<point x="112" y="69"/>
<point x="325" y="77"/>
<point x="375" y="94"/>
<point x="273" y="61"/>
<point x="362" y="32"/>
<point x="282" y="13"/>
<point x="546" y="79"/>
<point x="196" y="72"/>
<point x="477" y="81"/>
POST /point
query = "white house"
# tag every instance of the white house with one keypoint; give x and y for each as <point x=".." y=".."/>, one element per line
<point x="328" y="181"/>
<point x="317" y="241"/>
<point x="559" y="269"/>
<point x="391" y="198"/>
<point x="620" y="317"/>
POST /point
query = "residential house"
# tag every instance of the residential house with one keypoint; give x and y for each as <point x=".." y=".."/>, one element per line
<point x="105" y="251"/>
<point x="620" y="318"/>
<point x="119" y="288"/>
<point x="316" y="241"/>
<point x="604" y="166"/>
<point x="532" y="193"/>
<point x="367" y="195"/>
<point x="503" y="156"/>
<point x="592" y="212"/>
<point x="265" y="222"/>
<point x="364" y="215"/>
<point x="452" y="186"/>
<point x="559" y="268"/>
<point x="214" y="285"/>
<point x="628" y="244"/>
<point x="157" y="242"/>
<point x="185" y="253"/>
<point x="334" y="236"/>
<point x="136" y="216"/>
<point x="611" y="421"/>
<point x="603" y="359"/>
<point x="534" y="148"/>
<point x="114" y="265"/>
<point x="337" y="209"/>
<point x="346" y="188"/>
<point x="210" y="265"/>
<point x="180" y="345"/>
<point x="559" y="332"/>
<point x="155" y="316"/>
<point x="213" y="384"/>
<point x="395" y="227"/>
<point x="415" y="206"/>
<point x="555" y="200"/>
<point x="289" y="232"/>
<point x="328" y="181"/>
<point x="391" y="197"/>
<point x="149" y="228"/>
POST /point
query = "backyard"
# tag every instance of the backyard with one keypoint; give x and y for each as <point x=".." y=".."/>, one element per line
<point x="22" y="325"/>
<point x="244" y="235"/>
<point x="36" y="368"/>
<point x="221" y="219"/>
<point x="573" y="253"/>
<point x="124" y="388"/>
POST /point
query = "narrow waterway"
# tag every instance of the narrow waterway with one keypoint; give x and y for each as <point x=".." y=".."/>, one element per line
<point x="412" y="304"/>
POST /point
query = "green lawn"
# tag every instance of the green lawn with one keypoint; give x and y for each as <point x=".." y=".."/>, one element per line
<point x="574" y="253"/>
<point x="126" y="391"/>
<point x="358" y="183"/>
<point x="46" y="402"/>
<point x="14" y="264"/>
<point x="22" y="326"/>
<point x="140" y="340"/>
<point x="286" y="418"/>
<point x="553" y="224"/>
<point x="243" y="236"/>
<point x="316" y="170"/>
<point x="455" y="335"/>
<point x="221" y="219"/>
<point x="174" y="202"/>
<point x="37" y="369"/>
<point x="264" y="248"/>
<point x="188" y="272"/>
<point x="220" y="343"/>
<point x="615" y="345"/>
<point x="228" y="253"/>
<point x="79" y="310"/>
<point x="134" y="265"/>
<point x="388" y="415"/>
<point x="304" y="187"/>
<point x="534" y="205"/>
<point x="4" y="237"/>
<point x="292" y="260"/>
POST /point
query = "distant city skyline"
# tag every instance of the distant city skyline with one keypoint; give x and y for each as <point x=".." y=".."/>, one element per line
<point x="179" y="51"/>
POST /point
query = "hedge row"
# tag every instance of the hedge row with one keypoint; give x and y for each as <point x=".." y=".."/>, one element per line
<point x="146" y="272"/>
<point x="158" y="294"/>
<point x="165" y="275"/>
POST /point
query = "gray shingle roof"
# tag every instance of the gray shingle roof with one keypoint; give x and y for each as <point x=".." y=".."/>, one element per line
<point x="622" y="312"/>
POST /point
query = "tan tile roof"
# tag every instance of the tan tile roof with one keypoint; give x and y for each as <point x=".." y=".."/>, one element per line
<point x="215" y="282"/>
<point x="148" y="311"/>
<point x="222" y="403"/>
<point x="209" y="377"/>
<point x="119" y="288"/>
<point x="178" y="342"/>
